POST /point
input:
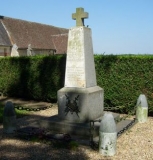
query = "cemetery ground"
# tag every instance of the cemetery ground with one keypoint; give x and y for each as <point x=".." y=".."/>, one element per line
<point x="136" y="143"/>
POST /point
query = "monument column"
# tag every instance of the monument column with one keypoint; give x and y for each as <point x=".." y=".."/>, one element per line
<point x="81" y="99"/>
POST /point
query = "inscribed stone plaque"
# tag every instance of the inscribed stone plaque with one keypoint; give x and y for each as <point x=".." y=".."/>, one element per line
<point x="80" y="61"/>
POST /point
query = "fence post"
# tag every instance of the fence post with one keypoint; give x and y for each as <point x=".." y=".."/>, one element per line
<point x="107" y="135"/>
<point x="142" y="109"/>
<point x="9" y="118"/>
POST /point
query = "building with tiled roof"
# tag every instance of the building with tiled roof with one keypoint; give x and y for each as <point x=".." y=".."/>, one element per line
<point x="43" y="39"/>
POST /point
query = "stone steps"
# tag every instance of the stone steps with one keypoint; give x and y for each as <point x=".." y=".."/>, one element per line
<point x="56" y="125"/>
<point x="80" y="132"/>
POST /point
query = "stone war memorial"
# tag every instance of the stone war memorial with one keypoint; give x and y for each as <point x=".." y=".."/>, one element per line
<point x="81" y="99"/>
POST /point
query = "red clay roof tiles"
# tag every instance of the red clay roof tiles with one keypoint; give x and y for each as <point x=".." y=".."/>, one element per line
<point x="40" y="36"/>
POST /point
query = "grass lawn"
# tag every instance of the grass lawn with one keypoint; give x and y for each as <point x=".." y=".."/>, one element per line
<point x="19" y="113"/>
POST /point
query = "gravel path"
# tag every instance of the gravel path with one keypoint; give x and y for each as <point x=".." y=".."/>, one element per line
<point x="135" y="144"/>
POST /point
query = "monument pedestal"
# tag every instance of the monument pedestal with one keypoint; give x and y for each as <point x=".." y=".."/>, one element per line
<point x="80" y="104"/>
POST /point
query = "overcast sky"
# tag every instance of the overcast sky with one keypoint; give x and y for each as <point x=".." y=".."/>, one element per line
<point x="118" y="26"/>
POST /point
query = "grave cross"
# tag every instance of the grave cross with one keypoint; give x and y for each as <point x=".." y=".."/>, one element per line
<point x="79" y="16"/>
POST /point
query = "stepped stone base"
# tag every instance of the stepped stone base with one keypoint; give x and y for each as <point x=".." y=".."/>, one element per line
<point x="55" y="125"/>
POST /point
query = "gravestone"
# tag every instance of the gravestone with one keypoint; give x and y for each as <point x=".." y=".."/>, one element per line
<point x="9" y="118"/>
<point x="29" y="50"/>
<point x="14" y="51"/>
<point x="80" y="99"/>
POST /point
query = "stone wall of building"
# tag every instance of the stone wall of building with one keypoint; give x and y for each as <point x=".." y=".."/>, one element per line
<point x="5" y="51"/>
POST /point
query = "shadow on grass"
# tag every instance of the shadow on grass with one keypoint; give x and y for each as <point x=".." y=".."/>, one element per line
<point x="24" y="149"/>
<point x="39" y="151"/>
<point x="19" y="113"/>
<point x="22" y="103"/>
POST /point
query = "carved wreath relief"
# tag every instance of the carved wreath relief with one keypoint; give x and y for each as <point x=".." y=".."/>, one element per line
<point x="72" y="105"/>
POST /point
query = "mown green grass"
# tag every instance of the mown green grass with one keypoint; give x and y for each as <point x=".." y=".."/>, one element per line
<point x="19" y="113"/>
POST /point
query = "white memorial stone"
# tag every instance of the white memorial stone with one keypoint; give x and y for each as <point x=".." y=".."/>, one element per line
<point x="14" y="51"/>
<point x="80" y="67"/>
<point x="29" y="50"/>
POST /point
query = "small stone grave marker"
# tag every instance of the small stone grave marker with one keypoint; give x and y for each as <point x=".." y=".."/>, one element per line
<point x="9" y="118"/>
<point x="14" y="52"/>
<point x="29" y="50"/>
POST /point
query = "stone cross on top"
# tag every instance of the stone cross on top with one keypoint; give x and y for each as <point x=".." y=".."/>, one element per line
<point x="79" y="16"/>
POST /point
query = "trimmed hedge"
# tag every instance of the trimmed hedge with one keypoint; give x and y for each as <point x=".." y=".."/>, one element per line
<point x="37" y="77"/>
<point x="123" y="77"/>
